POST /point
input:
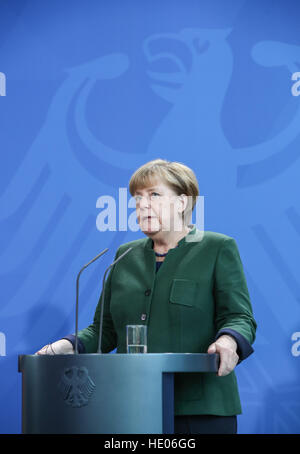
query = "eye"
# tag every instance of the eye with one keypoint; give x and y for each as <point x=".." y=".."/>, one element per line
<point x="154" y="195"/>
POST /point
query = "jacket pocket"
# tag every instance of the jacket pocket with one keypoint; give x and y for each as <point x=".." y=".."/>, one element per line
<point x="184" y="292"/>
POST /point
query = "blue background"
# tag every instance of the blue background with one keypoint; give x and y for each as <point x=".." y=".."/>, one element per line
<point x="95" y="89"/>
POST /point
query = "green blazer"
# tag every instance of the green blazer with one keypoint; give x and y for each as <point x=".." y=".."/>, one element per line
<point x="199" y="289"/>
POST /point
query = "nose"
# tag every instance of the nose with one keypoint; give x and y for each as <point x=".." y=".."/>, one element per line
<point x="144" y="202"/>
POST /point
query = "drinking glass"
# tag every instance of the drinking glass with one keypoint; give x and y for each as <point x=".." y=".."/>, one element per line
<point x="136" y="338"/>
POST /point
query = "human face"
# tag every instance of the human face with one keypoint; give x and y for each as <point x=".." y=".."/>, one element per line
<point x="158" y="208"/>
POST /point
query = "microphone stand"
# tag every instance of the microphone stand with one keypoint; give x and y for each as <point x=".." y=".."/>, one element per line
<point x="102" y="299"/>
<point x="77" y="296"/>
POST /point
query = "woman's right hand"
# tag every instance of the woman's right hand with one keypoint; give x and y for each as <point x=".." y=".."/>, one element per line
<point x="60" y="347"/>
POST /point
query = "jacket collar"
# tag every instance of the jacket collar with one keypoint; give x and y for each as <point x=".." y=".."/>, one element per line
<point x="184" y="240"/>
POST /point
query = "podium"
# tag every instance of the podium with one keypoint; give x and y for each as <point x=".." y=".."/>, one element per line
<point x="104" y="394"/>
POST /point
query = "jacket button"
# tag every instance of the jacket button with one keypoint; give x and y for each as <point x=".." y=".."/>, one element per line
<point x="143" y="317"/>
<point x="147" y="292"/>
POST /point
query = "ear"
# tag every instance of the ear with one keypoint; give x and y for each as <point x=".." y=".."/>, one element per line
<point x="183" y="200"/>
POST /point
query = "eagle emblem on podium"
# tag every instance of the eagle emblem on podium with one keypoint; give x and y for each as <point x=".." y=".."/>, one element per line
<point x="76" y="386"/>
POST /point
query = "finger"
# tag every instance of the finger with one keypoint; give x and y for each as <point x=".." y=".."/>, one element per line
<point x="44" y="350"/>
<point x="228" y="363"/>
<point x="223" y="354"/>
<point x="222" y="364"/>
<point x="212" y="348"/>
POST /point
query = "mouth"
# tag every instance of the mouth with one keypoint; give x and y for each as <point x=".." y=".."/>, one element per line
<point x="145" y="218"/>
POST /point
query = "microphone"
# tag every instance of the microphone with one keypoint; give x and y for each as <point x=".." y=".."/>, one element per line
<point x="102" y="298"/>
<point x="77" y="293"/>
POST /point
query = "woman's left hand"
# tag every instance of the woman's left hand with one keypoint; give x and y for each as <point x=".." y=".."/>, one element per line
<point x="226" y="346"/>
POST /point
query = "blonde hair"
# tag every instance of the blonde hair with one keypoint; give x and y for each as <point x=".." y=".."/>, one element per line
<point x="176" y="175"/>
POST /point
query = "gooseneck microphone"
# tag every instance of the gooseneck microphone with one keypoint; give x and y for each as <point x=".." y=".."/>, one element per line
<point x="102" y="299"/>
<point x="77" y="295"/>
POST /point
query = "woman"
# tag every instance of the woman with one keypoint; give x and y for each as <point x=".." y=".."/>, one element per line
<point x="188" y="287"/>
